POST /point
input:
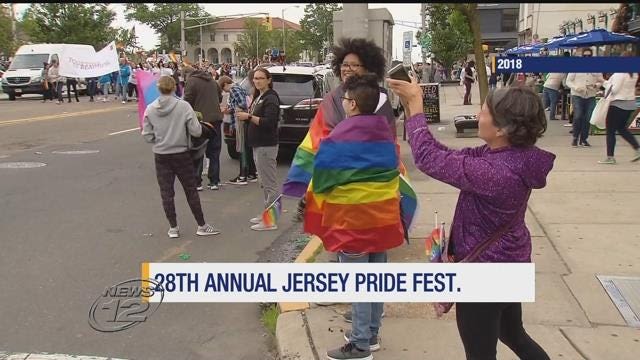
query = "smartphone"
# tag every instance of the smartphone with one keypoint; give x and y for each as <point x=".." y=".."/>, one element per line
<point x="399" y="72"/>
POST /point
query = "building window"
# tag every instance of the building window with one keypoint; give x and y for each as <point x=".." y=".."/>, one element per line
<point x="509" y="20"/>
<point x="225" y="37"/>
<point x="212" y="37"/>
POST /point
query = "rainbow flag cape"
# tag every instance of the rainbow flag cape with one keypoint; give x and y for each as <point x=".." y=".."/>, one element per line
<point x="353" y="203"/>
<point x="147" y="86"/>
<point x="271" y="214"/>
<point x="328" y="116"/>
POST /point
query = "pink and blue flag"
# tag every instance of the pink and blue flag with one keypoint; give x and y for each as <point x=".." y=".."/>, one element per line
<point x="147" y="86"/>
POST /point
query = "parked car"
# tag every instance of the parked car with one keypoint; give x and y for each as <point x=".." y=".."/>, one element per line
<point x="300" y="90"/>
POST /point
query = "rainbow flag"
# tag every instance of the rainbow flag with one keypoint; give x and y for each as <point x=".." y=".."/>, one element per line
<point x="271" y="214"/>
<point x="328" y="116"/>
<point x="353" y="202"/>
<point x="147" y="86"/>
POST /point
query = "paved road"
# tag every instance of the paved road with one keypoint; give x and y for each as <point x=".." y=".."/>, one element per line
<point x="81" y="223"/>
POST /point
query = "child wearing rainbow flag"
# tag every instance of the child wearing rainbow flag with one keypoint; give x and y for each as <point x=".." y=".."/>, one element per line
<point x="353" y="202"/>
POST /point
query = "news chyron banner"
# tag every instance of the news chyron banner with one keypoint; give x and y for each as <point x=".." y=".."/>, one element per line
<point x="339" y="282"/>
<point x="562" y="64"/>
<point x="80" y="62"/>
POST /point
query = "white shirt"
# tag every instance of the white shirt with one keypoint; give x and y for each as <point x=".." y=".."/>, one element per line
<point x="623" y="86"/>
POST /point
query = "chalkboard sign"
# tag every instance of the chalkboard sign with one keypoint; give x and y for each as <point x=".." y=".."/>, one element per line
<point x="431" y="102"/>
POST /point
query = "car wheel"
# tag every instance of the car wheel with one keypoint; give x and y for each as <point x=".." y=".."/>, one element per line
<point x="12" y="96"/>
<point x="231" y="149"/>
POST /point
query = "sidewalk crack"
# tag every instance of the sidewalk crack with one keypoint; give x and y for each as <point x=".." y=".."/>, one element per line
<point x="307" y="329"/>
<point x="575" y="347"/>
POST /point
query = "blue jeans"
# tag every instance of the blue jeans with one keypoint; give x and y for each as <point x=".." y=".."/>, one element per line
<point x="550" y="97"/>
<point x="366" y="317"/>
<point x="582" y="109"/>
<point x="122" y="90"/>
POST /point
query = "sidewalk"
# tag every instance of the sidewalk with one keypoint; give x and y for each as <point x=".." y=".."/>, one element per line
<point x="583" y="224"/>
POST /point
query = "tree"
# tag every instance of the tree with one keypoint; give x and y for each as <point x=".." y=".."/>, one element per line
<point x="164" y="18"/>
<point x="470" y="12"/>
<point x="72" y="23"/>
<point x="449" y="38"/>
<point x="294" y="44"/>
<point x="6" y="37"/>
<point x="317" y="26"/>
<point x="255" y="33"/>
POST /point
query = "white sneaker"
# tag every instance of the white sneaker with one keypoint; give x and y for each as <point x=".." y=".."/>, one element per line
<point x="124" y="102"/>
<point x="174" y="232"/>
<point x="206" y="230"/>
<point x="262" y="227"/>
<point x="256" y="220"/>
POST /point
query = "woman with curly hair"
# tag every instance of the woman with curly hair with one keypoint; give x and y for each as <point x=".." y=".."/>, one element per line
<point x="495" y="181"/>
<point x="351" y="57"/>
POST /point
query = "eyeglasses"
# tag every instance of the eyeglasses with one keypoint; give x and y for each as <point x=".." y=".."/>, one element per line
<point x="260" y="78"/>
<point x="346" y="98"/>
<point x="350" y="66"/>
<point x="587" y="55"/>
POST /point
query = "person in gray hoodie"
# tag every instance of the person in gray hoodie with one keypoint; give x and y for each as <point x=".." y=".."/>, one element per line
<point x="167" y="124"/>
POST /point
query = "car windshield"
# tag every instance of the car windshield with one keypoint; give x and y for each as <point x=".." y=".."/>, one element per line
<point x="293" y="88"/>
<point x="29" y="61"/>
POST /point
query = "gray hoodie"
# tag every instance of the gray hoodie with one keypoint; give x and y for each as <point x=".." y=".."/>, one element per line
<point x="166" y="122"/>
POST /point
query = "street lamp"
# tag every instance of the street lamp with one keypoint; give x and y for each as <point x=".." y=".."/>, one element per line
<point x="284" y="32"/>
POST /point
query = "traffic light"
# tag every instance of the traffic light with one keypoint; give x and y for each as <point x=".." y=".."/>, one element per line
<point x="268" y="23"/>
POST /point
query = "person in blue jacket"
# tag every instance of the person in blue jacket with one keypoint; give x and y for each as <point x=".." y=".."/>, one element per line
<point x="123" y="80"/>
<point x="105" y="81"/>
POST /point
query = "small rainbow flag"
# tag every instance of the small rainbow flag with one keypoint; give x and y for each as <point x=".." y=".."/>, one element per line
<point x="147" y="86"/>
<point x="271" y="214"/>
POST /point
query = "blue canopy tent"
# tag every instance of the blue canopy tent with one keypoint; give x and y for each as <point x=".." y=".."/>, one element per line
<point x="598" y="37"/>
<point x="552" y="44"/>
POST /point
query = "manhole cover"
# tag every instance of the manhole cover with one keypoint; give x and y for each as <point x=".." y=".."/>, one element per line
<point x="624" y="291"/>
<point x="76" y="152"/>
<point x="21" y="165"/>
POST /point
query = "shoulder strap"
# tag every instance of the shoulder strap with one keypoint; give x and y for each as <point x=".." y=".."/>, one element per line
<point x="475" y="253"/>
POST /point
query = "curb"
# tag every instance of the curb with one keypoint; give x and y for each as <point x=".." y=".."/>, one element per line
<point x="309" y="251"/>
<point x="293" y="339"/>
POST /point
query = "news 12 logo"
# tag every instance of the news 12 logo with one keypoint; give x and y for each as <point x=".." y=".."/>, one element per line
<point x="125" y="305"/>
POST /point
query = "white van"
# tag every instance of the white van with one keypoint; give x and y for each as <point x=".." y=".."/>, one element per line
<point x="26" y="72"/>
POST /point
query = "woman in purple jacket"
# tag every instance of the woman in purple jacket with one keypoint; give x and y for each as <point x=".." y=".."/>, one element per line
<point x="495" y="181"/>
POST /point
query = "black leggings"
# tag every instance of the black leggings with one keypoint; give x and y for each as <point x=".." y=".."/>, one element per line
<point x="617" y="121"/>
<point x="481" y="325"/>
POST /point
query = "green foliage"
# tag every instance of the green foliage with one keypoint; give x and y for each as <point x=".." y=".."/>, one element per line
<point x="128" y="40"/>
<point x="69" y="23"/>
<point x="449" y="34"/>
<point x="245" y="47"/>
<point x="6" y="37"/>
<point x="269" y="317"/>
<point x="164" y="18"/>
<point x="255" y="33"/>
<point x="317" y="26"/>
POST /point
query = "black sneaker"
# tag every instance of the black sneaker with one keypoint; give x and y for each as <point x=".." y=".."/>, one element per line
<point x="585" y="143"/>
<point x="238" y="181"/>
<point x="252" y="178"/>
<point x="349" y="351"/>
<point x="374" y="344"/>
<point x="574" y="143"/>
<point x="347" y="316"/>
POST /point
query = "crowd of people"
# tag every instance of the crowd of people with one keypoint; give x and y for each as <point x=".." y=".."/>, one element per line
<point x="511" y="121"/>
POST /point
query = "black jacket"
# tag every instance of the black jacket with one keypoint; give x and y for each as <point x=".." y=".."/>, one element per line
<point x="268" y="109"/>
<point x="204" y="95"/>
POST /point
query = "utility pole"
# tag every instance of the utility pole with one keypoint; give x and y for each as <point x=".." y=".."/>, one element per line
<point x="183" y="45"/>
<point x="425" y="70"/>
<point x="13" y="23"/>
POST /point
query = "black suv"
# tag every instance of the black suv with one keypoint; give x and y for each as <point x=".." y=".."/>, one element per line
<point x="300" y="90"/>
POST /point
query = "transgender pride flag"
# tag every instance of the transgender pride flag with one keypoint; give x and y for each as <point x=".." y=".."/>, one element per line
<point x="147" y="85"/>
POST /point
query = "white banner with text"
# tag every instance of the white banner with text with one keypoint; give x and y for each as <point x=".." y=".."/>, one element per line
<point x="81" y="63"/>
<point x="339" y="282"/>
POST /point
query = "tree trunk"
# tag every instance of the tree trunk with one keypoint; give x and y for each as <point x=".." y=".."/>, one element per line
<point x="470" y="11"/>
